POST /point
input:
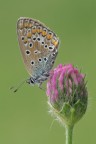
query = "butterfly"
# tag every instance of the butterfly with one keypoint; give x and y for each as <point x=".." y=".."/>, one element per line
<point x="39" y="48"/>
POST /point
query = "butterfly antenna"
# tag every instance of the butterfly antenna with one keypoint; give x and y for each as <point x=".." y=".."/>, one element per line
<point x="18" y="86"/>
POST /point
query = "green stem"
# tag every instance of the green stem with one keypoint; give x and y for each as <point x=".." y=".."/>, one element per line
<point x="69" y="131"/>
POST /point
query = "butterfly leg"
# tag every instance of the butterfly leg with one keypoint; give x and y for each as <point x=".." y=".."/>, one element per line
<point x="40" y="86"/>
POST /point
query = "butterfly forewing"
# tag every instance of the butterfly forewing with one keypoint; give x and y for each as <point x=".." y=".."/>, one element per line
<point x="38" y="45"/>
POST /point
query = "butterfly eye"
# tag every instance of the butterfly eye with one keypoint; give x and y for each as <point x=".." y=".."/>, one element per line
<point x="30" y="45"/>
<point x="27" y="52"/>
<point x="31" y="81"/>
<point x="32" y="62"/>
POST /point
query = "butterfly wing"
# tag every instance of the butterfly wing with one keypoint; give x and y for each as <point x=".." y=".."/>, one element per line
<point x="38" y="45"/>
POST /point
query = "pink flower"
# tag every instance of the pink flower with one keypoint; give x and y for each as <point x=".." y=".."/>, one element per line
<point x="65" y="84"/>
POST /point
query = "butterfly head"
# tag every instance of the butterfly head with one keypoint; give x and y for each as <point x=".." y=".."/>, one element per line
<point x="30" y="81"/>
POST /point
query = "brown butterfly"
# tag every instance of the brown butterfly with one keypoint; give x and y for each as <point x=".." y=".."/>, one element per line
<point x="39" y="48"/>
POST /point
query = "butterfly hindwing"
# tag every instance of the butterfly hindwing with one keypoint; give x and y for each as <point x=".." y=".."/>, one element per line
<point x="38" y="45"/>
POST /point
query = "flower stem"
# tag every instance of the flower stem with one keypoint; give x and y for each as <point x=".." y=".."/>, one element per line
<point x="69" y="131"/>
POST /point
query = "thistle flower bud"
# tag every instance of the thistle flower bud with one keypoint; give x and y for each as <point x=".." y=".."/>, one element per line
<point x="67" y="94"/>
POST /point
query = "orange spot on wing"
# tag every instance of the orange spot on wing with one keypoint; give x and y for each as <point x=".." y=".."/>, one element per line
<point x="39" y="30"/>
<point x="49" y="36"/>
<point x="44" y="33"/>
<point x="33" y="31"/>
<point x="25" y="40"/>
<point x="26" y="24"/>
<point x="29" y="34"/>
<point x="55" y="42"/>
<point x="30" y="24"/>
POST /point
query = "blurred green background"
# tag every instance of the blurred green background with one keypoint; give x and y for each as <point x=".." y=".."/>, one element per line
<point x="24" y="117"/>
